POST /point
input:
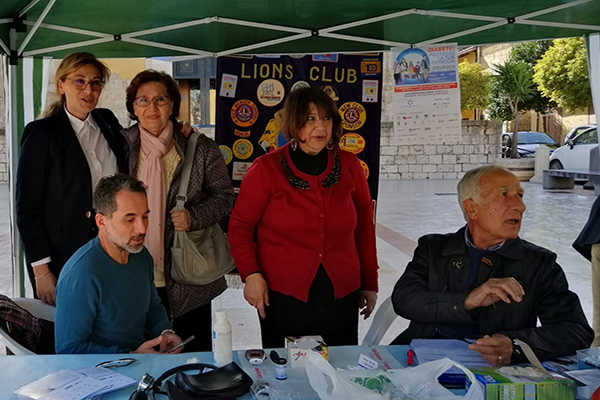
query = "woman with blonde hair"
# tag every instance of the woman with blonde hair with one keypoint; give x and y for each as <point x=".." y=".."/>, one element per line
<point x="63" y="156"/>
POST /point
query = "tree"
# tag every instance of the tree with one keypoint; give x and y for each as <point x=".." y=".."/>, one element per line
<point x="515" y="87"/>
<point x="473" y="85"/>
<point x="562" y="74"/>
<point x="531" y="53"/>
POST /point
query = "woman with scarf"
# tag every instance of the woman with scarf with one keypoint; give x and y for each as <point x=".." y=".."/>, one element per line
<point x="156" y="158"/>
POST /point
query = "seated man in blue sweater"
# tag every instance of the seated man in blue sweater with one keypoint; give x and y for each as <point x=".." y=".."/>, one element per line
<point x="105" y="298"/>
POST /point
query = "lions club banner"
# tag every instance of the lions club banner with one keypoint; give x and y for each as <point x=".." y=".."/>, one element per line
<point x="251" y="92"/>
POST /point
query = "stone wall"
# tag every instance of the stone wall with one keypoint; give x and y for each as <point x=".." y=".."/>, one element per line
<point x="480" y="145"/>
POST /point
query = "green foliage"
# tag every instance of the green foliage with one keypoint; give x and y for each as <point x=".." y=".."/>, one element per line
<point x="514" y="84"/>
<point x="562" y="74"/>
<point x="530" y="53"/>
<point x="498" y="107"/>
<point x="473" y="85"/>
<point x="513" y="80"/>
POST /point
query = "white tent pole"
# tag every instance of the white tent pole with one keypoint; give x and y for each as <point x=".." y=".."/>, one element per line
<point x="362" y="39"/>
<point x="6" y="20"/>
<point x="167" y="46"/>
<point x="593" y="58"/>
<point x="552" y="9"/>
<point x="69" y="29"/>
<point x="446" y="14"/>
<point x="173" y="27"/>
<point x="4" y="47"/>
<point x="36" y="26"/>
<point x="13" y="157"/>
<point x="557" y="24"/>
<point x="67" y="46"/>
<point x="28" y="7"/>
<point x="263" y="44"/>
<point x="260" y="25"/>
<point x="368" y="20"/>
<point x="462" y="33"/>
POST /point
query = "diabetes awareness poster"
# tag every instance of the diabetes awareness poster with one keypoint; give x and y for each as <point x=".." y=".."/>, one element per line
<point x="251" y="93"/>
<point x="427" y="95"/>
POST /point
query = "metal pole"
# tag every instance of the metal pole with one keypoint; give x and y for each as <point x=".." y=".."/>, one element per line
<point x="18" y="286"/>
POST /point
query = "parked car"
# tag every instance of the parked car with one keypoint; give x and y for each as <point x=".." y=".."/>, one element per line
<point x="576" y="153"/>
<point x="528" y="143"/>
<point x="576" y="131"/>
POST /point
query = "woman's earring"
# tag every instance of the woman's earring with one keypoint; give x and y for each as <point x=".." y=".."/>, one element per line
<point x="330" y="145"/>
<point x="293" y="144"/>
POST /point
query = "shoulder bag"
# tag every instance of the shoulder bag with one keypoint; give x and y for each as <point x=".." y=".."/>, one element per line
<point x="198" y="257"/>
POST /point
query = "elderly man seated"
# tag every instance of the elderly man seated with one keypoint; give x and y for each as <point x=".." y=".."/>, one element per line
<point x="106" y="301"/>
<point x="486" y="283"/>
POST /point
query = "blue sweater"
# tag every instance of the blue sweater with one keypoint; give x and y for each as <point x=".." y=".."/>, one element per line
<point x="106" y="307"/>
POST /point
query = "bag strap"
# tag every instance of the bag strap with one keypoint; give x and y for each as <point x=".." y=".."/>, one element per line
<point x="187" y="170"/>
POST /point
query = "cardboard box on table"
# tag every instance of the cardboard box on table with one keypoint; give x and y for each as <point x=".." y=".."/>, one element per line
<point x="498" y="386"/>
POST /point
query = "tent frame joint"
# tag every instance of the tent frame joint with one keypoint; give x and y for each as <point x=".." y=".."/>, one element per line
<point x="511" y="20"/>
<point x="13" y="58"/>
<point x="18" y="24"/>
<point x="117" y="37"/>
<point x="314" y="32"/>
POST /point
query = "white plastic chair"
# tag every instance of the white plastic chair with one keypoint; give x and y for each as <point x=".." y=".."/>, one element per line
<point x="383" y="318"/>
<point x="38" y="309"/>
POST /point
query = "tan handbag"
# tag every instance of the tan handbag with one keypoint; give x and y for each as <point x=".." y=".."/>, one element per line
<point x="198" y="257"/>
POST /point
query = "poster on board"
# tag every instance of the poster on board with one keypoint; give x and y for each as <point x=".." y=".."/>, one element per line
<point x="251" y="93"/>
<point x="427" y="95"/>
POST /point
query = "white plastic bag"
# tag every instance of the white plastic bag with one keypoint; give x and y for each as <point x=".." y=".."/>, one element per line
<point x="421" y="382"/>
<point x="329" y="385"/>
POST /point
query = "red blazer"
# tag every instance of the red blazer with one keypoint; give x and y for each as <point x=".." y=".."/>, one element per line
<point x="285" y="231"/>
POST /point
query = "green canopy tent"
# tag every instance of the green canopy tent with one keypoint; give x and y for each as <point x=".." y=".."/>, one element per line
<point x="126" y="28"/>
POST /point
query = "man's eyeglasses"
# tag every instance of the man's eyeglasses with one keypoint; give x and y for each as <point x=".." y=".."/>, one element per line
<point x="80" y="83"/>
<point x="122" y="362"/>
<point x="158" y="101"/>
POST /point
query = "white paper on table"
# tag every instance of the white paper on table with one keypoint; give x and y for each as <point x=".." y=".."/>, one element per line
<point x="112" y="380"/>
<point x="40" y="388"/>
<point x="75" y="385"/>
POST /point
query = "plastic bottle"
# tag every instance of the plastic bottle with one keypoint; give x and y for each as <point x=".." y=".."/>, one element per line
<point x="221" y="340"/>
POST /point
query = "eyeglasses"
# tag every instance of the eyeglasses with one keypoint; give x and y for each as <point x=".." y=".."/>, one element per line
<point x="81" y="84"/>
<point x="158" y="101"/>
<point x="122" y="362"/>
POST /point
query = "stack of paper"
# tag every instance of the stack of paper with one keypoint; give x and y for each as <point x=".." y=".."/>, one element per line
<point x="69" y="384"/>
<point x="456" y="350"/>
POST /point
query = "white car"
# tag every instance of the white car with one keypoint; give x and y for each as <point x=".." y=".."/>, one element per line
<point x="576" y="153"/>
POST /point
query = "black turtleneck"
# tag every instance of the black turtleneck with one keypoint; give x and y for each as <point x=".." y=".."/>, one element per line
<point x="311" y="165"/>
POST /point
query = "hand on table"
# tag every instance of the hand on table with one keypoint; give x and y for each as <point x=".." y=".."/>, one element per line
<point x="493" y="290"/>
<point x="256" y="293"/>
<point x="496" y="349"/>
<point x="164" y="342"/>
<point x="368" y="299"/>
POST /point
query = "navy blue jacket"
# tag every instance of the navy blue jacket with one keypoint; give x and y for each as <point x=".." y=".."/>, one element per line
<point x="54" y="187"/>
<point x="590" y="234"/>
<point x="426" y="294"/>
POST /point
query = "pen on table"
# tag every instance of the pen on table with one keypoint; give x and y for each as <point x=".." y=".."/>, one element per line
<point x="469" y="340"/>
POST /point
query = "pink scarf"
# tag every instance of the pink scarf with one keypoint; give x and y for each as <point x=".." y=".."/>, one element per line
<point x="153" y="175"/>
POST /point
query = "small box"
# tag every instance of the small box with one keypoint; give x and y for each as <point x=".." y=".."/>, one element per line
<point x="502" y="386"/>
<point x="299" y="346"/>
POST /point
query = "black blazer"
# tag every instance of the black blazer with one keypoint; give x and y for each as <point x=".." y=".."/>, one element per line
<point x="54" y="190"/>
<point x="590" y="234"/>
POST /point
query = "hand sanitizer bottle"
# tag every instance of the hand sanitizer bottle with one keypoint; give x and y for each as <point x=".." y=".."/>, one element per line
<point x="221" y="340"/>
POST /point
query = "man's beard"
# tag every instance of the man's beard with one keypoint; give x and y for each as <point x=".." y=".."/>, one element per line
<point x="125" y="246"/>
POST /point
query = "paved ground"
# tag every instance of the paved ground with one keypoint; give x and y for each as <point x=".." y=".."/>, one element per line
<point x="407" y="210"/>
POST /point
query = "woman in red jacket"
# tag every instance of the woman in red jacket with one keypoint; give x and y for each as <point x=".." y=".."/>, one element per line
<point x="302" y="233"/>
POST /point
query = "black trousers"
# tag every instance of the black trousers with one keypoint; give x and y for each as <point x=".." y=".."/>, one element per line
<point x="335" y="320"/>
<point x="196" y="322"/>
